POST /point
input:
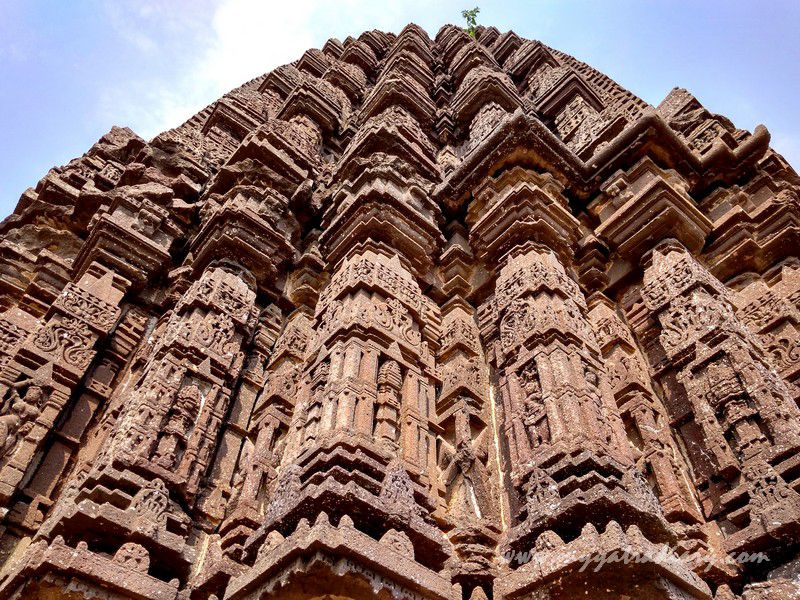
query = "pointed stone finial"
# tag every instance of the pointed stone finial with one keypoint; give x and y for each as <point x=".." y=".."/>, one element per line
<point x="478" y="594"/>
<point x="302" y="526"/>
<point x="589" y="532"/>
<point x="346" y="521"/>
<point x="614" y="529"/>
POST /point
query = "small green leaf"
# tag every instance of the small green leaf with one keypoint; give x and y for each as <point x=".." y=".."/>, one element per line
<point x="471" y="17"/>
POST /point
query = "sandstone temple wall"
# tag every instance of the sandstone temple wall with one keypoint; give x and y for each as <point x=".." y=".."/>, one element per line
<point x="440" y="319"/>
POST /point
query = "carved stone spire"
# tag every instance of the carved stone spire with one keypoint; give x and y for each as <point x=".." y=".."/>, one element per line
<point x="443" y="319"/>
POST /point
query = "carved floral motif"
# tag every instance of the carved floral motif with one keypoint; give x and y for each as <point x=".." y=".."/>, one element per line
<point x="69" y="339"/>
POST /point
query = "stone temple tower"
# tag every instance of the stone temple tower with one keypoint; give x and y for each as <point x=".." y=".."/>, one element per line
<point x="434" y="319"/>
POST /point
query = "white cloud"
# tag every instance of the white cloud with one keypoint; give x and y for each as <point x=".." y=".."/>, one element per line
<point x="251" y="37"/>
<point x="203" y="48"/>
<point x="223" y="43"/>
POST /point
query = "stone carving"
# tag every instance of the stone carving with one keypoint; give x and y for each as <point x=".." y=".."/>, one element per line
<point x="397" y="491"/>
<point x="388" y="411"/>
<point x="20" y="414"/>
<point x="424" y="318"/>
<point x="287" y="490"/>
<point x="175" y="431"/>
<point x="152" y="501"/>
<point x="87" y="306"/>
<point x="67" y="340"/>
<point x="399" y="542"/>
<point x="133" y="556"/>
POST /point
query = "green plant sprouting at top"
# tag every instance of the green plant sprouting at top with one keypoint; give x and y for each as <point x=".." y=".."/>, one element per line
<point x="471" y="17"/>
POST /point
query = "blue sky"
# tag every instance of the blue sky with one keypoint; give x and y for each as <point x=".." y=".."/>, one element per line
<point x="71" y="69"/>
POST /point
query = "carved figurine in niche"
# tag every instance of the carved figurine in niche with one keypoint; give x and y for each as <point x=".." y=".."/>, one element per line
<point x="20" y="413"/>
<point x="146" y="222"/>
<point x="532" y="403"/>
<point x="661" y="450"/>
<point x="264" y="470"/>
<point x="286" y="491"/>
<point x="638" y="485"/>
<point x="172" y="442"/>
<point x="389" y="382"/>
<point x="597" y="407"/>
<point x="541" y="492"/>
<point x="244" y="466"/>
<point x="397" y="491"/>
<point x="465" y="474"/>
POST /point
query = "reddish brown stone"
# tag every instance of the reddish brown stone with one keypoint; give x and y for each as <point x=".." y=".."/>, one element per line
<point x="446" y="319"/>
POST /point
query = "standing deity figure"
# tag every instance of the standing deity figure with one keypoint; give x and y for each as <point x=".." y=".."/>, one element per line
<point x="388" y="411"/>
<point x="20" y="414"/>
<point x="176" y="430"/>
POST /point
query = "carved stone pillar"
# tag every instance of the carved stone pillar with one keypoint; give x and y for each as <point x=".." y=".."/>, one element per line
<point x="285" y="395"/>
<point x="570" y="465"/>
<point x="560" y="421"/>
<point x="388" y="402"/>
<point x="193" y="366"/>
<point x="773" y="313"/>
<point x="747" y="416"/>
<point x="646" y="420"/>
<point x="162" y="443"/>
<point x="467" y="450"/>
<point x="362" y="441"/>
<point x="53" y="359"/>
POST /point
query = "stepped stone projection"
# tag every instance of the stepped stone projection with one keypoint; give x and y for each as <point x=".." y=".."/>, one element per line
<point x="408" y="318"/>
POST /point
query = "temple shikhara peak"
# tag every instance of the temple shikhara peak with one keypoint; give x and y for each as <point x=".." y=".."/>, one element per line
<point x="431" y="319"/>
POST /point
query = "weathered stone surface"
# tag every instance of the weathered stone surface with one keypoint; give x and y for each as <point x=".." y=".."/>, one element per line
<point x="446" y="319"/>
